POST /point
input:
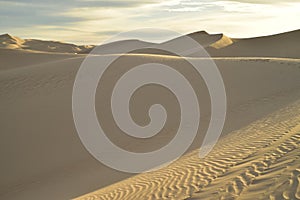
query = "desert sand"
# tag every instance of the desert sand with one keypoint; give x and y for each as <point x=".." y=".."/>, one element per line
<point x="259" y="161"/>
<point x="12" y="42"/>
<point x="257" y="156"/>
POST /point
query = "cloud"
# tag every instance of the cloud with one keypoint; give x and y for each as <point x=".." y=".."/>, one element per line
<point x="217" y="6"/>
<point x="112" y="4"/>
<point x="80" y="3"/>
<point x="91" y="21"/>
<point x="24" y="13"/>
<point x="265" y="1"/>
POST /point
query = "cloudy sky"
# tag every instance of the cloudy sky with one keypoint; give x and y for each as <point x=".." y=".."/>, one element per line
<point x="92" y="21"/>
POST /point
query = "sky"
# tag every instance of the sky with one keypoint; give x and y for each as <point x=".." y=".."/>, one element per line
<point x="94" y="21"/>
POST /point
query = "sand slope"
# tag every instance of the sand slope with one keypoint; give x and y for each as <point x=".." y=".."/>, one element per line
<point x="42" y="156"/>
<point x="260" y="161"/>
<point x="29" y="58"/>
<point x="282" y="45"/>
<point x="202" y="37"/>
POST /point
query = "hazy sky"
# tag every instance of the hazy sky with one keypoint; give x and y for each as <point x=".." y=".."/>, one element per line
<point x="92" y="21"/>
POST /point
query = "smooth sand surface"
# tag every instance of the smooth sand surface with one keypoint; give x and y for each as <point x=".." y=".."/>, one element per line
<point x="43" y="158"/>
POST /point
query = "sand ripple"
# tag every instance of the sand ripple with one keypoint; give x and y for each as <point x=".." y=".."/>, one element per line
<point x="261" y="161"/>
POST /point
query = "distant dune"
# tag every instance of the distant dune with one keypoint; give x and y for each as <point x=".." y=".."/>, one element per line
<point x="284" y="45"/>
<point x="121" y="46"/>
<point x="12" y="42"/>
<point x="42" y="156"/>
<point x="218" y="45"/>
<point x="202" y="37"/>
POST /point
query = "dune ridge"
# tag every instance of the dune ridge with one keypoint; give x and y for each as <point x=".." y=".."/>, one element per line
<point x="223" y="42"/>
<point x="279" y="45"/>
<point x="202" y="37"/>
<point x="218" y="45"/>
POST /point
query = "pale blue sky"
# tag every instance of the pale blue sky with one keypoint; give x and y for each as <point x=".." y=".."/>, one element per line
<point x="92" y="21"/>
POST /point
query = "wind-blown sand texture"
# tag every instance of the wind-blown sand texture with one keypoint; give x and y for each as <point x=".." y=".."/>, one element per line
<point x="260" y="161"/>
<point x="43" y="158"/>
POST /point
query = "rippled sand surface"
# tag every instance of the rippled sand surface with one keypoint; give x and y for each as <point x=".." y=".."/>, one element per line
<point x="260" y="161"/>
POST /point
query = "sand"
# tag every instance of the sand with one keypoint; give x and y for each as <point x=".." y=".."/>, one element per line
<point x="281" y="45"/>
<point x="12" y="42"/>
<point x="259" y="161"/>
<point x="43" y="158"/>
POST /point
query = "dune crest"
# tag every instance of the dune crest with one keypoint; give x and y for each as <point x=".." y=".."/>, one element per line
<point x="10" y="42"/>
<point x="283" y="45"/>
<point x="202" y="37"/>
<point x="223" y="42"/>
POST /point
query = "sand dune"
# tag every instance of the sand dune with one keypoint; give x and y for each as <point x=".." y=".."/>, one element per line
<point x="202" y="37"/>
<point x="62" y="167"/>
<point x="281" y="45"/>
<point x="142" y="47"/>
<point x="260" y="161"/>
<point x="12" y="42"/>
<point x="43" y="158"/>
<point x="223" y="42"/>
<point x="218" y="45"/>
